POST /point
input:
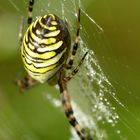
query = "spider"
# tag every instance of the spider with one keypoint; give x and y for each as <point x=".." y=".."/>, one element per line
<point x="45" y="48"/>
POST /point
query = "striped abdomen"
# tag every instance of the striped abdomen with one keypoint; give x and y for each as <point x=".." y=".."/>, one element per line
<point x="45" y="47"/>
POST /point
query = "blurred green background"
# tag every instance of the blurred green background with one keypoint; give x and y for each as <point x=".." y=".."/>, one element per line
<point x="31" y="116"/>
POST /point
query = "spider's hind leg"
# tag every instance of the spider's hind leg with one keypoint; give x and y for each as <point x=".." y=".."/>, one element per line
<point x="76" y="43"/>
<point x="75" y="70"/>
<point x="30" y="10"/>
<point x="21" y="30"/>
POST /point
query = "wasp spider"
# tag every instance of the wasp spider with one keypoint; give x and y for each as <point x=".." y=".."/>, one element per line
<point x="45" y="49"/>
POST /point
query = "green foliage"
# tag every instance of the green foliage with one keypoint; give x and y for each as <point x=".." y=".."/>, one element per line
<point x="30" y="115"/>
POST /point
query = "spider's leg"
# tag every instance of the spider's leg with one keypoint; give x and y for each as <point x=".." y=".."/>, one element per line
<point x="68" y="109"/>
<point x="26" y="82"/>
<point x="75" y="46"/>
<point x="75" y="70"/>
<point x="21" y="30"/>
<point x="30" y="10"/>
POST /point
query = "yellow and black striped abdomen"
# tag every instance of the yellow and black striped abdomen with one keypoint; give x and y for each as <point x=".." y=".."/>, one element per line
<point x="45" y="47"/>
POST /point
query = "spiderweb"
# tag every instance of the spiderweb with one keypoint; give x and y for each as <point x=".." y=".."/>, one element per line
<point x="93" y="95"/>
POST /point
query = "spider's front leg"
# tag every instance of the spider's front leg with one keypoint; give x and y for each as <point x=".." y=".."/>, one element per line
<point x="25" y="83"/>
<point x="65" y="97"/>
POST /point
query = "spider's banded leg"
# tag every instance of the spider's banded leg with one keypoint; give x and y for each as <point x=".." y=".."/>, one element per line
<point x="21" y="30"/>
<point x="75" y="46"/>
<point x="30" y="10"/>
<point x="75" y="70"/>
<point x="26" y="82"/>
<point x="68" y="109"/>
